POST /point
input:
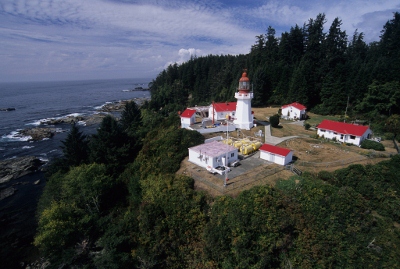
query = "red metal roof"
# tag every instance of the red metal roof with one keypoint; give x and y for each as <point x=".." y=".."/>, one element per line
<point x="228" y="106"/>
<point x="296" y="105"/>
<point x="188" y="113"/>
<point x="276" y="150"/>
<point x="343" y="128"/>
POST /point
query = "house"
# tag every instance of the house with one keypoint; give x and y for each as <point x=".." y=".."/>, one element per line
<point x="344" y="132"/>
<point x="222" y="111"/>
<point x="213" y="154"/>
<point x="276" y="154"/>
<point x="188" y="117"/>
<point x="294" y="111"/>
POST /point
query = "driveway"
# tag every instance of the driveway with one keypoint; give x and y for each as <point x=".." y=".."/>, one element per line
<point x="273" y="140"/>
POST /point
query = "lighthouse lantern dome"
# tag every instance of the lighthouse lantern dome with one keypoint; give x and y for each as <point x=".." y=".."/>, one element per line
<point x="244" y="82"/>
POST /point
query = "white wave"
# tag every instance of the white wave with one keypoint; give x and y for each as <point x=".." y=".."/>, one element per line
<point x="81" y="123"/>
<point x="74" y="115"/>
<point x="43" y="159"/>
<point x="28" y="147"/>
<point x="15" y="136"/>
<point x="44" y="121"/>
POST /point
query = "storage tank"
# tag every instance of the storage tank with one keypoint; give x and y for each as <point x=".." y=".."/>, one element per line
<point x="245" y="141"/>
<point x="247" y="149"/>
<point x="238" y="144"/>
<point x="256" y="145"/>
<point x="227" y="142"/>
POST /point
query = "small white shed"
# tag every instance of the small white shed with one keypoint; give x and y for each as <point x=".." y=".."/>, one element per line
<point x="188" y="117"/>
<point x="294" y="111"/>
<point x="276" y="154"/>
<point x="213" y="154"/>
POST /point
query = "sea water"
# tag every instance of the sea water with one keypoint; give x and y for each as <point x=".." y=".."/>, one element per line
<point x="34" y="102"/>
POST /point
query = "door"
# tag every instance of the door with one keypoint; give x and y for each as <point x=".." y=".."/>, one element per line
<point x="272" y="157"/>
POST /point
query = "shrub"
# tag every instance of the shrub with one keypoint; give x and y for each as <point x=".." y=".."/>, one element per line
<point x="274" y="120"/>
<point x="389" y="136"/>
<point x="370" y="144"/>
<point x="307" y="126"/>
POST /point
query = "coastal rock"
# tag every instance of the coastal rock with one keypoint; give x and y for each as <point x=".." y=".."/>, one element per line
<point x="7" y="109"/>
<point x="18" y="167"/>
<point x="7" y="193"/>
<point x="111" y="107"/>
<point x="94" y="119"/>
<point x="67" y="119"/>
<point x="37" y="134"/>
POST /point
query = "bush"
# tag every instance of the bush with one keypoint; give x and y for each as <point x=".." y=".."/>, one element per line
<point x="388" y="136"/>
<point x="307" y="126"/>
<point x="274" y="120"/>
<point x="370" y="144"/>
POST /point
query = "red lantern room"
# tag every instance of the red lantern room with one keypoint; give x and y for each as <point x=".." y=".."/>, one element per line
<point x="244" y="84"/>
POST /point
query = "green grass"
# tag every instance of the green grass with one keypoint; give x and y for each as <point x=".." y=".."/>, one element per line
<point x="315" y="119"/>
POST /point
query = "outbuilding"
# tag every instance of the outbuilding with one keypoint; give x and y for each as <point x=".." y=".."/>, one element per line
<point x="213" y="154"/>
<point x="222" y="111"/>
<point x="188" y="117"/>
<point x="276" y="154"/>
<point x="344" y="132"/>
<point x="294" y="111"/>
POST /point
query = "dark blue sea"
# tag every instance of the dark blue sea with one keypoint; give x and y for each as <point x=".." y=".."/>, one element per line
<point x="37" y="101"/>
<point x="34" y="102"/>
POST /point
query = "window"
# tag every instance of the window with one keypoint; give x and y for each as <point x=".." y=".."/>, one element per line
<point x="341" y="136"/>
<point x="232" y="154"/>
<point x="352" y="137"/>
<point x="322" y="131"/>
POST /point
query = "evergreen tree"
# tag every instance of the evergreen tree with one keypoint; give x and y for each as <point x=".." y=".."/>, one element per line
<point x="111" y="146"/>
<point x="75" y="147"/>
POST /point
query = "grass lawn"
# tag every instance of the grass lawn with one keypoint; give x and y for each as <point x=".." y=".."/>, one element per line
<point x="315" y="119"/>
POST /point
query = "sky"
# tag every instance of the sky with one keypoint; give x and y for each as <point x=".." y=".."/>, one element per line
<point x="45" y="40"/>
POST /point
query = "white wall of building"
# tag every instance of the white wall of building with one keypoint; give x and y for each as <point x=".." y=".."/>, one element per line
<point x="291" y="113"/>
<point x="278" y="159"/>
<point x="345" y="138"/>
<point x="186" y="122"/>
<point x="204" y="159"/>
<point x="221" y="115"/>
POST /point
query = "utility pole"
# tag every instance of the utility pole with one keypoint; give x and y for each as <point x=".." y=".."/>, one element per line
<point x="345" y="113"/>
<point x="226" y="154"/>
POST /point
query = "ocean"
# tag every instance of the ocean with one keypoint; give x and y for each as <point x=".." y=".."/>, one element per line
<point x="36" y="102"/>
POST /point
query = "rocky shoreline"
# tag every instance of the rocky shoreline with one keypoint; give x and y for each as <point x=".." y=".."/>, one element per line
<point x="17" y="167"/>
<point x="45" y="132"/>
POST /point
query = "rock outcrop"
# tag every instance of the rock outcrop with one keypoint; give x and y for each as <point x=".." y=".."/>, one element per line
<point x="18" y="167"/>
<point x="67" y="119"/>
<point x="6" y="193"/>
<point x="37" y="134"/>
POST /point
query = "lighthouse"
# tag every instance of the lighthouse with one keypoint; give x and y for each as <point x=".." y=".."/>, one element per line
<point x="244" y="116"/>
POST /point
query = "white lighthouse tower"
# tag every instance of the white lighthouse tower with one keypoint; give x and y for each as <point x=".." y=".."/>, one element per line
<point x="244" y="116"/>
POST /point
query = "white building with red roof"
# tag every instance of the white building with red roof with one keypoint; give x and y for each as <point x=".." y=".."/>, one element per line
<point x="188" y="117"/>
<point x="213" y="154"/>
<point x="222" y="111"/>
<point x="276" y="154"/>
<point x="294" y="111"/>
<point x="344" y="132"/>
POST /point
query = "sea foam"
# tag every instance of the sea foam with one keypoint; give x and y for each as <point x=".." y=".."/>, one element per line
<point x="15" y="136"/>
